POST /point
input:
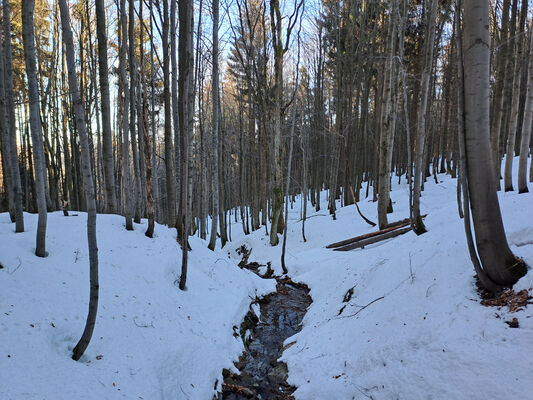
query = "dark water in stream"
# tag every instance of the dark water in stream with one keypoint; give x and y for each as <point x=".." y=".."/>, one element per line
<point x="261" y="375"/>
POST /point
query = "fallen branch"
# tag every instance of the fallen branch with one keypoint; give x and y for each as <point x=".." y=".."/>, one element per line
<point x="359" y="210"/>
<point x="365" y="236"/>
<point x="362" y="308"/>
<point x="375" y="239"/>
<point x="143" y="325"/>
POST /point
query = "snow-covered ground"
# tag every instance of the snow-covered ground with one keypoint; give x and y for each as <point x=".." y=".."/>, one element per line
<point x="425" y="334"/>
<point x="414" y="327"/>
<point x="151" y="341"/>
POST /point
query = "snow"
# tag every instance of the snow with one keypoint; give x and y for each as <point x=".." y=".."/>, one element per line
<point x="155" y="340"/>
<point x="414" y="327"/>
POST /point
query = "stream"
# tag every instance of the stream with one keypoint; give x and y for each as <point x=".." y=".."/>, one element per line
<point x="261" y="375"/>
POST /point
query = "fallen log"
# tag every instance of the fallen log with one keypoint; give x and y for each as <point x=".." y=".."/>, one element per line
<point x="401" y="222"/>
<point x="365" y="236"/>
<point x="375" y="239"/>
<point x="359" y="211"/>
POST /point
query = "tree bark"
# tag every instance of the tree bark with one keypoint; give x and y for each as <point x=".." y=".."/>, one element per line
<point x="107" y="140"/>
<point x="418" y="224"/>
<point x="35" y="124"/>
<point x="185" y="70"/>
<point x="169" y="151"/>
<point x="216" y="118"/>
<point x="528" y="118"/>
<point x="498" y="262"/>
<point x="87" y="180"/>
<point x="125" y="120"/>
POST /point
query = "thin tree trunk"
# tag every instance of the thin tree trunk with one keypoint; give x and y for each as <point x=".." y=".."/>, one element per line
<point x="528" y="118"/>
<point x="35" y="124"/>
<point x="216" y="118"/>
<point x="88" y="182"/>
<point x="185" y="69"/>
<point x="418" y="224"/>
<point x="125" y="120"/>
<point x="107" y="140"/>
<point x="285" y="271"/>
<point x="10" y="119"/>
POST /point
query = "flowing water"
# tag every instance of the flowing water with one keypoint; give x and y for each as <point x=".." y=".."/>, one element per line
<point x="261" y="375"/>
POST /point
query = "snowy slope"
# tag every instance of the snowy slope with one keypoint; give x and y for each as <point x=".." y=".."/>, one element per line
<point x="156" y="341"/>
<point x="423" y="333"/>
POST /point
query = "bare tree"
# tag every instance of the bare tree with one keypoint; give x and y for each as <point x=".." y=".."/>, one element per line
<point x="528" y="118"/>
<point x="107" y="143"/>
<point x="125" y="120"/>
<point x="28" y="38"/>
<point x="184" y="90"/>
<point x="216" y="119"/>
<point x="87" y="181"/>
<point x="499" y="263"/>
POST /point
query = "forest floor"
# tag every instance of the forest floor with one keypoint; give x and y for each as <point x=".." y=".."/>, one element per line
<point x="399" y="319"/>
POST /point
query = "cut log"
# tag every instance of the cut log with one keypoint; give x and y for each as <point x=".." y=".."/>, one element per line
<point x="401" y="222"/>
<point x="366" y="236"/>
<point x="359" y="211"/>
<point x="375" y="239"/>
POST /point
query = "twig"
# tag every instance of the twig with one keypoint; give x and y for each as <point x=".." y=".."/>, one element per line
<point x="316" y="215"/>
<point x="76" y="254"/>
<point x="359" y="211"/>
<point x="151" y="325"/>
<point x="362" y="308"/>
<point x="411" y="275"/>
<point x="18" y="266"/>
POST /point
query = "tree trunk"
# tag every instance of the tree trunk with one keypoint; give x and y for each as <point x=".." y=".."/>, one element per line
<point x="169" y="152"/>
<point x="35" y="124"/>
<point x="499" y="263"/>
<point x="10" y="120"/>
<point x="185" y="70"/>
<point x="125" y="119"/>
<point x="107" y="140"/>
<point x="216" y="118"/>
<point x="418" y="224"/>
<point x="88" y="182"/>
<point x="528" y="118"/>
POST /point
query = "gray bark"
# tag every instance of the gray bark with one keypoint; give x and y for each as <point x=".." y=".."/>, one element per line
<point x="498" y="262"/>
<point x="87" y="180"/>
<point x="216" y="115"/>
<point x="418" y="224"/>
<point x="526" y="126"/>
<point x="184" y="88"/>
<point x="28" y="38"/>
<point x="169" y="151"/>
<point x="107" y="144"/>
<point x="125" y="119"/>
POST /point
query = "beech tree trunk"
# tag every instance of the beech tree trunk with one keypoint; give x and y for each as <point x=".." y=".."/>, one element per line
<point x="28" y="38"/>
<point x="418" y="224"/>
<point x="216" y="118"/>
<point x="107" y="140"/>
<point x="528" y="118"/>
<point x="169" y="151"/>
<point x="497" y="260"/>
<point x="87" y="180"/>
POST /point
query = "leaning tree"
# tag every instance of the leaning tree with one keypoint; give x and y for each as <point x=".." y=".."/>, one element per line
<point x="499" y="264"/>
